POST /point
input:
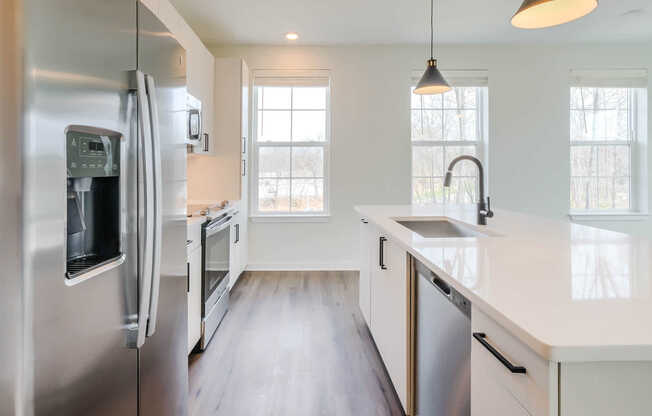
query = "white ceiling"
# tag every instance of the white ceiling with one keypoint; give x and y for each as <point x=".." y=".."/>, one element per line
<point x="328" y="22"/>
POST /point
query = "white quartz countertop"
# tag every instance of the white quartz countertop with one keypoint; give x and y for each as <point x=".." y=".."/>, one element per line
<point x="570" y="292"/>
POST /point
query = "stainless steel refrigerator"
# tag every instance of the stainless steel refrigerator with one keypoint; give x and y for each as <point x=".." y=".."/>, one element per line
<point x="93" y="227"/>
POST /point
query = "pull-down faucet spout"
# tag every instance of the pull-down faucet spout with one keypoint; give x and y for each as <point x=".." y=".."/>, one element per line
<point x="484" y="209"/>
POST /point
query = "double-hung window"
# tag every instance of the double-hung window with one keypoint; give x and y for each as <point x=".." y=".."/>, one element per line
<point x="291" y="143"/>
<point x="607" y="127"/>
<point x="443" y="127"/>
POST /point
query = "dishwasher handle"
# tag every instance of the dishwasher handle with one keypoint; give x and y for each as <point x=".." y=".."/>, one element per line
<point x="481" y="338"/>
<point x="443" y="287"/>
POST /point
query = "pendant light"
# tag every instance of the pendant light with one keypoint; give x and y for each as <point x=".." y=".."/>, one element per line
<point x="432" y="82"/>
<point x="536" y="14"/>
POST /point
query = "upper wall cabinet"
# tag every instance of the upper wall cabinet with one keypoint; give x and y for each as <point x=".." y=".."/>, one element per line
<point x="201" y="84"/>
<point x="231" y="127"/>
<point x="200" y="65"/>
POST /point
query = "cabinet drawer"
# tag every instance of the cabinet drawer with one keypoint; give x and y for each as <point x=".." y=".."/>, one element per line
<point x="535" y="390"/>
<point x="489" y="398"/>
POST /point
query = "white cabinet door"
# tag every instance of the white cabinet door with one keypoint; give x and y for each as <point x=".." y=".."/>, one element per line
<point x="194" y="298"/>
<point x="234" y="259"/>
<point x="488" y="395"/>
<point x="389" y="310"/>
<point x="244" y="185"/>
<point x="367" y="242"/>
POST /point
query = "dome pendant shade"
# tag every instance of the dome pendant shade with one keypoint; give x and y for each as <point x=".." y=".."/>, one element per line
<point x="536" y="14"/>
<point x="432" y="81"/>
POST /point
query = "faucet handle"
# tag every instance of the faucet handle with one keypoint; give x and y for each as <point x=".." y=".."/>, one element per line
<point x="489" y="212"/>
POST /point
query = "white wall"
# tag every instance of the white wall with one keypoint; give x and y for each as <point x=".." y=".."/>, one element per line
<point x="371" y="155"/>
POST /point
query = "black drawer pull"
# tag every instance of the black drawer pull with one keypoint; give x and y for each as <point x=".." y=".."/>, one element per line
<point x="481" y="338"/>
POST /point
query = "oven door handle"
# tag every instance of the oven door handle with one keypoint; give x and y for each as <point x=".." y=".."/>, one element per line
<point x="216" y="228"/>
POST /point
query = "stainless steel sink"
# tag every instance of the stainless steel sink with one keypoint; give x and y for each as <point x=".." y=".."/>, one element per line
<point x="440" y="229"/>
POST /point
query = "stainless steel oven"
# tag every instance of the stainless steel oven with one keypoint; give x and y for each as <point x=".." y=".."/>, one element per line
<point x="216" y="242"/>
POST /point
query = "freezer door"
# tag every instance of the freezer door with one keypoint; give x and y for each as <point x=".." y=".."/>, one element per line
<point x="11" y="347"/>
<point x="78" y="58"/>
<point x="163" y="362"/>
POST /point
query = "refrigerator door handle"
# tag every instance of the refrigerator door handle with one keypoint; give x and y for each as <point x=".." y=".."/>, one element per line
<point x="146" y="240"/>
<point x="158" y="203"/>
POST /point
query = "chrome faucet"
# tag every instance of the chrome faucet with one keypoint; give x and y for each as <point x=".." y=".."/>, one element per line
<point x="484" y="209"/>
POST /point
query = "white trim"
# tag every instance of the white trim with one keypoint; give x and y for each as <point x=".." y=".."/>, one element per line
<point x="606" y="216"/>
<point x="609" y="78"/>
<point x="291" y="267"/>
<point x="291" y="77"/>
<point x="290" y="218"/>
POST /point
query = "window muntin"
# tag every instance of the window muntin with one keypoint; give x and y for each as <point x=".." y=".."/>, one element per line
<point x="291" y="146"/>
<point x="602" y="135"/>
<point x="443" y="127"/>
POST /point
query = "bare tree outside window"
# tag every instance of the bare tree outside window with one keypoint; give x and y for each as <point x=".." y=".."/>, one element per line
<point x="442" y="128"/>
<point x="601" y="137"/>
<point x="291" y="145"/>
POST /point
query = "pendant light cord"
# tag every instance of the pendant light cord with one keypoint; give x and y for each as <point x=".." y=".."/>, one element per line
<point x="432" y="30"/>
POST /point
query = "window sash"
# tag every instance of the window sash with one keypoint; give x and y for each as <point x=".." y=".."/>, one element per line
<point x="478" y="143"/>
<point x="630" y="143"/>
<point x="257" y="145"/>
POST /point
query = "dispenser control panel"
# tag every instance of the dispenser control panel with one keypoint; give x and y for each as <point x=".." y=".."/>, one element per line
<point x="91" y="155"/>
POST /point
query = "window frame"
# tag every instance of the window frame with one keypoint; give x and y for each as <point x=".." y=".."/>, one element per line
<point x="635" y="143"/>
<point x="481" y="144"/>
<point x="289" y="79"/>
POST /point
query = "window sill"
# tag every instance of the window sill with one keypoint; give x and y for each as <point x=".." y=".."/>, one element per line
<point x="290" y="218"/>
<point x="608" y="216"/>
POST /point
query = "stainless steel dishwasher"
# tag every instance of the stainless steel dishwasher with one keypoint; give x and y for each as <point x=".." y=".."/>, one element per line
<point x="443" y="347"/>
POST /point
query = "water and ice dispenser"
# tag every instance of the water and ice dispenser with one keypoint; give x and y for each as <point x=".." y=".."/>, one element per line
<point x="93" y="201"/>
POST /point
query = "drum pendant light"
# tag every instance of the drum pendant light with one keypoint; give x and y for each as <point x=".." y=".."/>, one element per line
<point x="536" y="14"/>
<point x="432" y="82"/>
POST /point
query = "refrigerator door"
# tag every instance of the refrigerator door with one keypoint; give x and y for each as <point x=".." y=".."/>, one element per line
<point x="163" y="362"/>
<point x="11" y="348"/>
<point x="78" y="58"/>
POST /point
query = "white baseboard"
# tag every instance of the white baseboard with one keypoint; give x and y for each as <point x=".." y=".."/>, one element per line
<point x="273" y="267"/>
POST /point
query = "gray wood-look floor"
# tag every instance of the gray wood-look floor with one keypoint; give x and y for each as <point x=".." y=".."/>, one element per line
<point x="292" y="343"/>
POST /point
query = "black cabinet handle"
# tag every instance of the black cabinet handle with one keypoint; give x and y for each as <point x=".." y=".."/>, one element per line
<point x="381" y="256"/>
<point x="481" y="338"/>
<point x="244" y="145"/>
<point x="206" y="145"/>
<point x="237" y="233"/>
<point x="188" y="278"/>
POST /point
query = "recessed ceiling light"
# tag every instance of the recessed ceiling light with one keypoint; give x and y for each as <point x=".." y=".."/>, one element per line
<point x="292" y="36"/>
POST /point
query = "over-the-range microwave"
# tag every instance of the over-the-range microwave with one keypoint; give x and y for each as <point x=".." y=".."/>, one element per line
<point x="194" y="135"/>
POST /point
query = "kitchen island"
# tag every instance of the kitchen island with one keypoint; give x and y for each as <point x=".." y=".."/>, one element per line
<point x="573" y="303"/>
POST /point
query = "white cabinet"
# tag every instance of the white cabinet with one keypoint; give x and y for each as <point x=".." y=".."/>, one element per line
<point x="200" y="63"/>
<point x="194" y="295"/>
<point x="491" y="398"/>
<point x="237" y="250"/>
<point x="534" y="391"/>
<point x="231" y="128"/>
<point x="367" y="236"/>
<point x="389" y="312"/>
<point x="231" y="132"/>
<point x="385" y="276"/>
